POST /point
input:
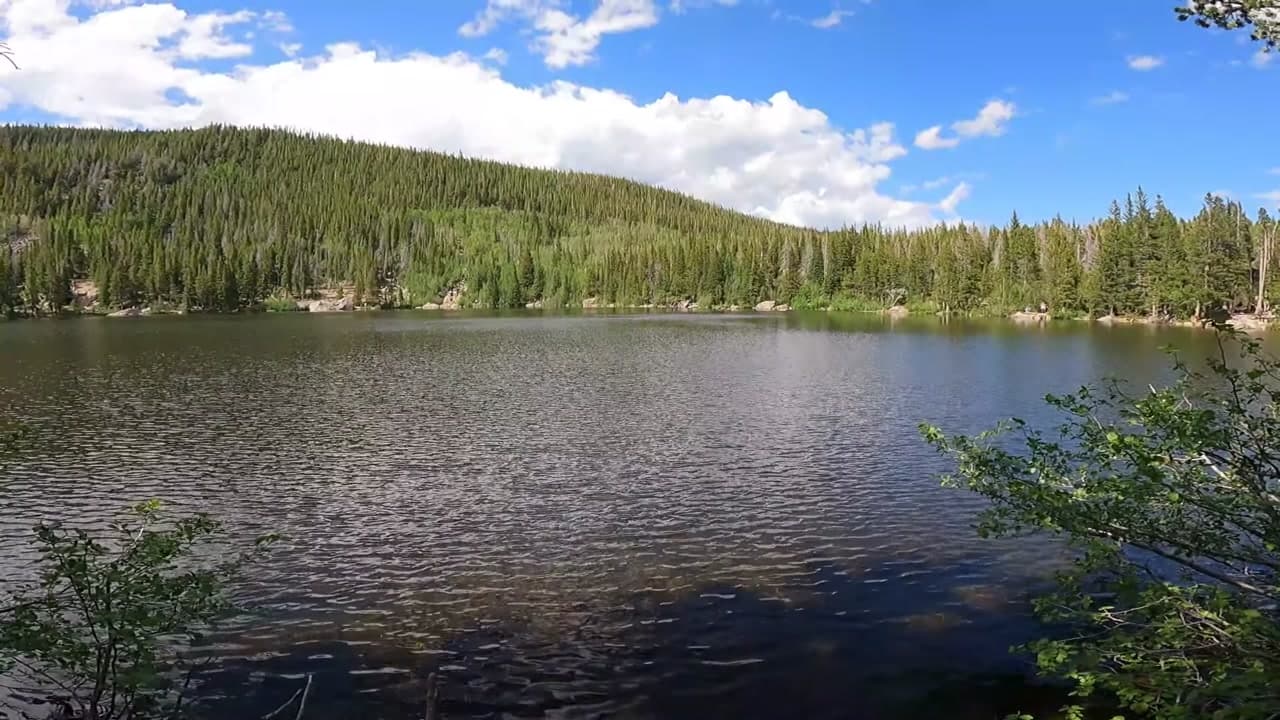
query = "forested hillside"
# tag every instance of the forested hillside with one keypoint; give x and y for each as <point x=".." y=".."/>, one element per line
<point x="222" y="218"/>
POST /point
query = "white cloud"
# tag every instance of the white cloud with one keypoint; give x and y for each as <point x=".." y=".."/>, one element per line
<point x="275" y="21"/>
<point x="1271" y="198"/>
<point x="561" y="38"/>
<point x="1115" y="97"/>
<point x="832" y="19"/>
<point x="991" y="121"/>
<point x="497" y="11"/>
<point x="1262" y="58"/>
<point x="1274" y="171"/>
<point x="931" y="139"/>
<point x="291" y="49"/>
<point x="567" y="40"/>
<point x="954" y="198"/>
<point x="204" y="38"/>
<point x="776" y="158"/>
<point x="1143" y="63"/>
<point x="497" y="55"/>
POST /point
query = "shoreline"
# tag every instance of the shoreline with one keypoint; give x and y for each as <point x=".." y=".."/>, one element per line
<point x="1245" y="322"/>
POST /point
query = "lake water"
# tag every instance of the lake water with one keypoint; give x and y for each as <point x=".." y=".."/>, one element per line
<point x="680" y="516"/>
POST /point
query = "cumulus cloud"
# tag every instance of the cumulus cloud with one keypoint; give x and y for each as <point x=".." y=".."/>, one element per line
<point x="564" y="39"/>
<point x="991" y="121"/>
<point x="1272" y="199"/>
<point x="776" y="158"/>
<point x="204" y="36"/>
<point x="1144" y="63"/>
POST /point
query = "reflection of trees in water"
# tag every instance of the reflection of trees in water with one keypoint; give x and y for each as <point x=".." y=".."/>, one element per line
<point x="720" y="652"/>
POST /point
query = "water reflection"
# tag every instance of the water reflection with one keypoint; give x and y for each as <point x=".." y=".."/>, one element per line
<point x="626" y="515"/>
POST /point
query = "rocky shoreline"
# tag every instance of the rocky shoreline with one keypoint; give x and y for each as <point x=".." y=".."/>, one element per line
<point x="343" y="299"/>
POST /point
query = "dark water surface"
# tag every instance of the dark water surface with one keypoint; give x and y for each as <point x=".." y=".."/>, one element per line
<point x="625" y="516"/>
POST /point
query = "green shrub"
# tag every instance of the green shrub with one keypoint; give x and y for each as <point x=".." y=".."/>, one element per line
<point x="1171" y="498"/>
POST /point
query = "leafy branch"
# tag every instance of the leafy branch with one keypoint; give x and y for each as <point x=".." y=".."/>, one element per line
<point x="1172" y="499"/>
<point x="99" y="628"/>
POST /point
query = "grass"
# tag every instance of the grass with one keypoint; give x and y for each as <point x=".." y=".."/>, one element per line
<point x="280" y="303"/>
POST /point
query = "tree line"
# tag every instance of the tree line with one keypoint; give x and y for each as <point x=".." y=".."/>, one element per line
<point x="223" y="218"/>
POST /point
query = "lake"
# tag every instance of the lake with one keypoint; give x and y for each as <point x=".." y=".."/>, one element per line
<point x="676" y="516"/>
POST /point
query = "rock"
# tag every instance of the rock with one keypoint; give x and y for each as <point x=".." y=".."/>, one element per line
<point x="127" y="312"/>
<point x="782" y="308"/>
<point x="766" y="306"/>
<point x="84" y="293"/>
<point x="590" y="303"/>
<point x="897" y="311"/>
<point x="342" y="304"/>
<point x="1106" y="319"/>
<point x="735" y="308"/>
<point x="1248" y="322"/>
<point x="1026" y="316"/>
<point x="453" y="299"/>
<point x="145" y="311"/>
<point x="430" y="306"/>
<point x="686" y="306"/>
<point x="535" y="305"/>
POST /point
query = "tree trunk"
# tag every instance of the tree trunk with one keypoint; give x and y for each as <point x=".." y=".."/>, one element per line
<point x="1264" y="259"/>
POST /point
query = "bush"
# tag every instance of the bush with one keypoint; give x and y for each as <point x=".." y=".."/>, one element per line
<point x="847" y="303"/>
<point x="98" y="629"/>
<point x="1172" y="499"/>
<point x="280" y="303"/>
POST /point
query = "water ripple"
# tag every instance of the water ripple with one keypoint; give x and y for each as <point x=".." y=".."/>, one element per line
<point x="562" y="517"/>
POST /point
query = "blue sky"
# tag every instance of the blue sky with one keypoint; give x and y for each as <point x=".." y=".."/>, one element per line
<point x="1040" y="107"/>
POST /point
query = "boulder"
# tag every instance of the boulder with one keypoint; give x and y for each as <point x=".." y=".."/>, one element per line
<point x="453" y="299"/>
<point x="897" y="311"/>
<point x="1027" y="316"/>
<point x="782" y="308"/>
<point x="84" y="293"/>
<point x="590" y="303"/>
<point x="430" y="306"/>
<point x="766" y="306"/>
<point x="342" y="304"/>
<point x="127" y="312"/>
<point x="686" y="306"/>
<point x="1247" y="322"/>
<point x="535" y="305"/>
<point x="1107" y="319"/>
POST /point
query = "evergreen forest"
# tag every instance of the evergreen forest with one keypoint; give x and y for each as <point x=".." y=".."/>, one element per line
<point x="221" y="219"/>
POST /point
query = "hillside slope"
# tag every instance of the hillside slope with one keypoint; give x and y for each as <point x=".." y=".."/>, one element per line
<point x="223" y="218"/>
